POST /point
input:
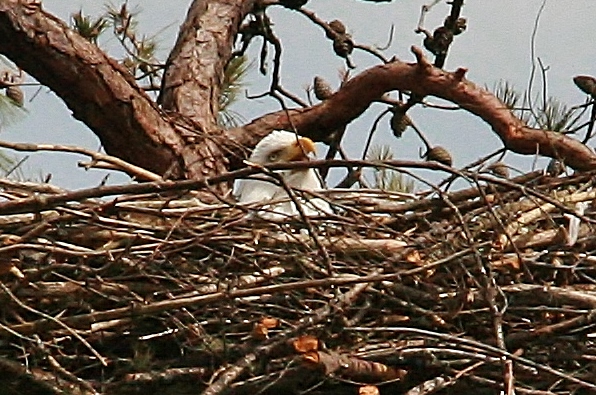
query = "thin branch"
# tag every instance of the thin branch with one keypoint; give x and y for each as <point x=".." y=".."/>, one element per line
<point x="117" y="163"/>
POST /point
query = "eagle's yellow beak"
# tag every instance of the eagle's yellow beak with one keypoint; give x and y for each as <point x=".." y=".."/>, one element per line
<point x="298" y="150"/>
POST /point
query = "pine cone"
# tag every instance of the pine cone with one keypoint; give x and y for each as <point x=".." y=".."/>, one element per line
<point x="399" y="122"/>
<point x="442" y="39"/>
<point x="499" y="169"/>
<point x="337" y="26"/>
<point x="586" y="84"/>
<point x="343" y="45"/>
<point x="322" y="89"/>
<point x="460" y="25"/>
<point x="555" y="168"/>
<point x="293" y="4"/>
<point x="16" y="94"/>
<point x="429" y="44"/>
<point x="439" y="154"/>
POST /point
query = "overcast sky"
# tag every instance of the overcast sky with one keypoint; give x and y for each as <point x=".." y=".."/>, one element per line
<point x="496" y="46"/>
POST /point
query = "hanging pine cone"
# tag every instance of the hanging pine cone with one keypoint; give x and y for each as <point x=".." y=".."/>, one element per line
<point x="586" y="84"/>
<point x="499" y="169"/>
<point x="460" y="25"/>
<point x="337" y="26"/>
<point x="322" y="89"/>
<point x="429" y="43"/>
<point x="293" y="4"/>
<point x="16" y="94"/>
<point x="399" y="122"/>
<point x="442" y="39"/>
<point x="343" y="45"/>
<point x="439" y="154"/>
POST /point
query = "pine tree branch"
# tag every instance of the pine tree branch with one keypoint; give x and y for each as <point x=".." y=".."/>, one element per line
<point x="99" y="91"/>
<point x="191" y="84"/>
<point x="423" y="79"/>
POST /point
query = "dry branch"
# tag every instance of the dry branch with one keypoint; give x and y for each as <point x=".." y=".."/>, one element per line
<point x="103" y="94"/>
<point x="117" y="163"/>
<point x="411" y="292"/>
<point x="185" y="298"/>
<point x="421" y="79"/>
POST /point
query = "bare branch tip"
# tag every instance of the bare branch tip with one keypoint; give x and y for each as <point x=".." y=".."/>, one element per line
<point x="420" y="58"/>
<point x="417" y="51"/>
<point x="460" y="73"/>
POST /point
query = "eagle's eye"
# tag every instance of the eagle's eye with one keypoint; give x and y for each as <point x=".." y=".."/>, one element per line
<point x="274" y="156"/>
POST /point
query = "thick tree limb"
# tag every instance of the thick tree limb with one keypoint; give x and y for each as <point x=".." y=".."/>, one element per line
<point x="194" y="72"/>
<point x="99" y="91"/>
<point x="422" y="79"/>
<point x="195" y="67"/>
<point x="103" y="94"/>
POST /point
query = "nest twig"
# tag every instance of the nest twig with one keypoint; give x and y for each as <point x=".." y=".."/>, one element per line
<point x="478" y="287"/>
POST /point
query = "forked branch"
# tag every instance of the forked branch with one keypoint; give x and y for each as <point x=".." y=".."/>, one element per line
<point x="423" y="79"/>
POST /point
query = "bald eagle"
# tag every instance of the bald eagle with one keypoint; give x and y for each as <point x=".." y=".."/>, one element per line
<point x="281" y="146"/>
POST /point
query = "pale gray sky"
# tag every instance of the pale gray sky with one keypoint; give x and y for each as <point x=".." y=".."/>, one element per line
<point x="495" y="47"/>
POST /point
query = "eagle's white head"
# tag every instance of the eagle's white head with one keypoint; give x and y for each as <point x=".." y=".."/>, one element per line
<point x="281" y="146"/>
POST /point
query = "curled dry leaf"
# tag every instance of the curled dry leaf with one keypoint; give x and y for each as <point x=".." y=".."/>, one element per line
<point x="305" y="344"/>
<point x="270" y="323"/>
<point x="414" y="256"/>
<point x="261" y="330"/>
<point x="368" y="390"/>
<point x="507" y="262"/>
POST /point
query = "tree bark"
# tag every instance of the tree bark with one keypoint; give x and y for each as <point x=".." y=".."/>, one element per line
<point x="195" y="67"/>
<point x="183" y="140"/>
<point x="192" y="81"/>
<point x="422" y="79"/>
<point x="102" y="94"/>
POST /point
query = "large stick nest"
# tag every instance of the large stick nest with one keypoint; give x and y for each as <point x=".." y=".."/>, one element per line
<point x="474" y="291"/>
